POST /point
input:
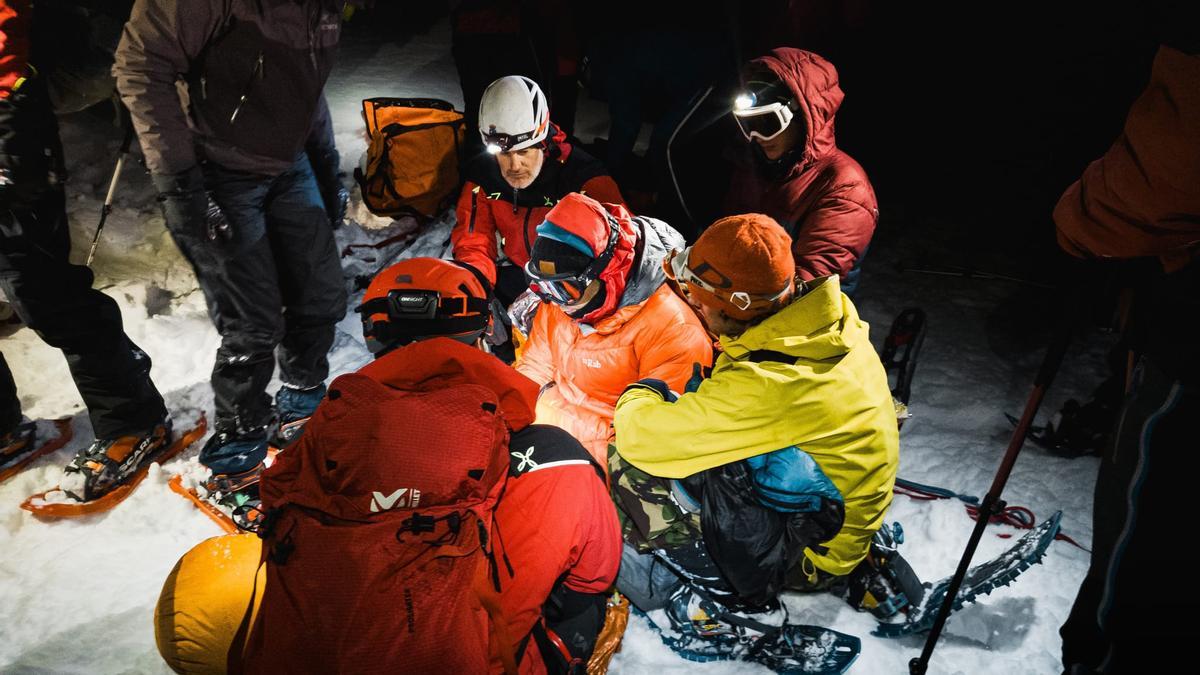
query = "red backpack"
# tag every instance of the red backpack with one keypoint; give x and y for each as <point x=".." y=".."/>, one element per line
<point x="379" y="519"/>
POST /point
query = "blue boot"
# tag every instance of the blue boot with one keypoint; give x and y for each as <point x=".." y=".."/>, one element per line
<point x="294" y="407"/>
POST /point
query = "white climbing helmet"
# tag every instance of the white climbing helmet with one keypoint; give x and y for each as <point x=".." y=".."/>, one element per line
<point x="513" y="114"/>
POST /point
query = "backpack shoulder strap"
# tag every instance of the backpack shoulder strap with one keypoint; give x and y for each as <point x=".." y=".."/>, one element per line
<point x="538" y="447"/>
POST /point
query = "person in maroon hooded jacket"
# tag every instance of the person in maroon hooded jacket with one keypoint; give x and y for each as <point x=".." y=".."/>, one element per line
<point x="798" y="176"/>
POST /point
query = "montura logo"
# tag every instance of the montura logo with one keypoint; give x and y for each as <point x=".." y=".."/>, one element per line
<point x="404" y="498"/>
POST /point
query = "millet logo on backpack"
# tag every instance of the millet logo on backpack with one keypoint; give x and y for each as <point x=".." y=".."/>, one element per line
<point x="404" y="498"/>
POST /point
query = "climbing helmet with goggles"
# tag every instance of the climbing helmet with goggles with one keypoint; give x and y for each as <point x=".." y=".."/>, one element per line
<point x="567" y="288"/>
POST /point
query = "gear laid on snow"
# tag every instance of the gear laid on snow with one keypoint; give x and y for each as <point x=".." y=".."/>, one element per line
<point x="108" y="463"/>
<point x="513" y="115"/>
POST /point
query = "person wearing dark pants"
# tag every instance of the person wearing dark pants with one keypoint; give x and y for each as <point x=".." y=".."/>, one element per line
<point x="246" y="175"/>
<point x="1141" y="201"/>
<point x="56" y="298"/>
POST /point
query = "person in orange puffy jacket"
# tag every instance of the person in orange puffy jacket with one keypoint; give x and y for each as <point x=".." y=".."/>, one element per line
<point x="528" y="167"/>
<point x="607" y="316"/>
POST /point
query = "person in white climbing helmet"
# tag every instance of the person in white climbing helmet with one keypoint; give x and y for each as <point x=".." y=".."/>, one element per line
<point x="527" y="166"/>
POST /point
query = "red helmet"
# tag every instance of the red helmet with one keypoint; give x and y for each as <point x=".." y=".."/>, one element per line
<point x="422" y="298"/>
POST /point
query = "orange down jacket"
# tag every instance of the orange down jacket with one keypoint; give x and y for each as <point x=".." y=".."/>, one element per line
<point x="583" y="368"/>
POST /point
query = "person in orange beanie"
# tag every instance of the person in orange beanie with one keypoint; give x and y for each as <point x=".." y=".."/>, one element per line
<point x="607" y="316"/>
<point x="778" y="468"/>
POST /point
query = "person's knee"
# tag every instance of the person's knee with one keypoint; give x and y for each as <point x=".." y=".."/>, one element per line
<point x="643" y="579"/>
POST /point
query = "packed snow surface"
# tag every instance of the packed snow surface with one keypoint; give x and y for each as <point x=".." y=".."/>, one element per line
<point x="78" y="595"/>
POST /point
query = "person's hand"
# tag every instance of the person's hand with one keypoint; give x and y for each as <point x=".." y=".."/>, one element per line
<point x="189" y="209"/>
<point x="522" y="310"/>
<point x="655" y="385"/>
<point x="336" y="203"/>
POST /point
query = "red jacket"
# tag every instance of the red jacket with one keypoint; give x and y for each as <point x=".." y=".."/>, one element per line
<point x="555" y="521"/>
<point x="489" y="205"/>
<point x="824" y="197"/>
<point x="14" y="42"/>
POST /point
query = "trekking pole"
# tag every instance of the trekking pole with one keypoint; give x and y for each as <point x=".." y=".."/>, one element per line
<point x="992" y="504"/>
<point x="112" y="184"/>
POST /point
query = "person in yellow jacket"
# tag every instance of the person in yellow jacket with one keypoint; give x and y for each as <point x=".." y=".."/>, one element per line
<point x="798" y="392"/>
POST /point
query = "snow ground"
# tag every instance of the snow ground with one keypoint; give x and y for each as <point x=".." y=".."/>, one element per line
<point x="78" y="596"/>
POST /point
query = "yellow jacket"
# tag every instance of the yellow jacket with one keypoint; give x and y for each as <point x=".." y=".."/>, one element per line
<point x="832" y="401"/>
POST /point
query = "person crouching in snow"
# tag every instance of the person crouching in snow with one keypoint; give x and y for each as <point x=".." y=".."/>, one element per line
<point x="607" y="317"/>
<point x="780" y="464"/>
<point x="402" y="456"/>
<point x="529" y="165"/>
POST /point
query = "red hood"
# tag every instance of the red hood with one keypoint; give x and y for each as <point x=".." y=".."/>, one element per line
<point x="582" y="216"/>
<point x="439" y="362"/>
<point x="814" y="82"/>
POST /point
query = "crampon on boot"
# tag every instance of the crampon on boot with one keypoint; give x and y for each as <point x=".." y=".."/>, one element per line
<point x="109" y="463"/>
<point x="294" y="407"/>
<point x="883" y="583"/>
<point x="237" y="495"/>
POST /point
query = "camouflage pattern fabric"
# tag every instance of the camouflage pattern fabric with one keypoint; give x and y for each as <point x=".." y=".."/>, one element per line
<point x="650" y="517"/>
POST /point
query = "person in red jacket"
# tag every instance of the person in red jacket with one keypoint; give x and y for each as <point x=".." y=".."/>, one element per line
<point x="564" y="564"/>
<point x="528" y="167"/>
<point x="798" y="176"/>
<point x="425" y="319"/>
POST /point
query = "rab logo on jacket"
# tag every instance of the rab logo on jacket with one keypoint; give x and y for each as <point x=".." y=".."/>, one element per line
<point x="591" y="363"/>
<point x="404" y="498"/>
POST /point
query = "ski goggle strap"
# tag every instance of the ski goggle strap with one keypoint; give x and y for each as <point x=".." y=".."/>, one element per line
<point x="565" y="289"/>
<point x="764" y="122"/>
<point x="418" y="313"/>
<point x="740" y="299"/>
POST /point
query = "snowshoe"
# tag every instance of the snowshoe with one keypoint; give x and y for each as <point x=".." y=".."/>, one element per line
<point x="236" y="495"/>
<point x="883" y="583"/>
<point x="980" y="580"/>
<point x="109" y="463"/>
<point x="107" y="472"/>
<point x="700" y="631"/>
<point x="20" y="447"/>
<point x="901" y="348"/>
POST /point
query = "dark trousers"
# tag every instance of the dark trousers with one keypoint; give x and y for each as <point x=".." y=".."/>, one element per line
<point x="274" y="291"/>
<point x="56" y="299"/>
<point x="1136" y="592"/>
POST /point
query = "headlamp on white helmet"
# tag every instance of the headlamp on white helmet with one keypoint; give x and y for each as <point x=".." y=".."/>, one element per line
<point x="513" y="115"/>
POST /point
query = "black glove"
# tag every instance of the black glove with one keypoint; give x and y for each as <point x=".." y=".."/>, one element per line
<point x="189" y="209"/>
<point x="655" y="385"/>
<point x="336" y="202"/>
<point x="30" y="151"/>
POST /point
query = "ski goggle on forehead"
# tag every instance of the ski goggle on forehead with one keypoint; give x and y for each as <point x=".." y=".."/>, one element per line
<point x="567" y="289"/>
<point x="761" y="121"/>
<point x="740" y="299"/>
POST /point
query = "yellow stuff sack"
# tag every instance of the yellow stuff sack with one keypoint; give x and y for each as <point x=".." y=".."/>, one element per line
<point x="413" y="156"/>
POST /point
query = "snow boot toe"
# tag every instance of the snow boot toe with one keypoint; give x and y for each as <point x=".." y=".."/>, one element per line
<point x="237" y="494"/>
<point x="17" y="443"/>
